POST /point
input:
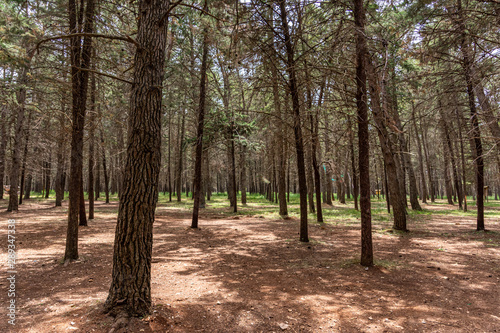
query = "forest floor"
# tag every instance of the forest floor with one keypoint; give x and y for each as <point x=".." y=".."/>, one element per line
<point x="248" y="272"/>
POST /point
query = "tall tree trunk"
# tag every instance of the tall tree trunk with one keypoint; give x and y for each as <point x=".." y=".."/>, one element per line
<point x="104" y="169"/>
<point x="423" y="197"/>
<point x="449" y="150"/>
<point x="60" y="155"/>
<point x="475" y="131"/>
<point x="462" y="159"/>
<point x="363" y="135"/>
<point x="25" y="157"/>
<point x="180" y="155"/>
<point x="80" y="58"/>
<point x="396" y="197"/>
<point x="18" y="134"/>
<point x="48" y="171"/>
<point x="243" y="175"/>
<point x="197" y="183"/>
<point x="130" y="290"/>
<point x="92" y="124"/>
<point x="299" y="143"/>
<point x="353" y="158"/>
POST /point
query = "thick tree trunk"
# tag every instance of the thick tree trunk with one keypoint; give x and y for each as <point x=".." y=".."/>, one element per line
<point x="299" y="143"/>
<point x="130" y="290"/>
<point x="363" y="135"/>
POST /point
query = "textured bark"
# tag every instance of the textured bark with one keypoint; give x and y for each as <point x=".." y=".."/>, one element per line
<point x="363" y="135"/>
<point x="18" y="134"/>
<point x="197" y="183"/>
<point x="475" y="132"/>
<point x="396" y="197"/>
<point x="299" y="141"/>
<point x="80" y="58"/>
<point x="130" y="289"/>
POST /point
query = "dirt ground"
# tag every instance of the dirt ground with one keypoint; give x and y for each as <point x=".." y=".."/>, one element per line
<point x="251" y="274"/>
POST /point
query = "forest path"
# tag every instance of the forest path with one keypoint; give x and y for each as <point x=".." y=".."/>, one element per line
<point x="249" y="273"/>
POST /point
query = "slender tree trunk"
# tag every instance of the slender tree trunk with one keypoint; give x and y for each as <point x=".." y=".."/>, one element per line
<point x="396" y="197"/>
<point x="299" y="144"/>
<point x="363" y="136"/>
<point x="130" y="290"/>
<point x="420" y="158"/>
<point x="92" y="124"/>
<point x="18" y="134"/>
<point x="462" y="159"/>
<point x="104" y="169"/>
<point x="353" y="160"/>
<point x="197" y="183"/>
<point x="475" y="131"/>
<point x="180" y="156"/>
<point x="25" y="157"/>
<point x="80" y="58"/>
<point x="243" y="175"/>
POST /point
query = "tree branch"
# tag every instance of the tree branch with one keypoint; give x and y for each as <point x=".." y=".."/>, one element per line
<point x="126" y="38"/>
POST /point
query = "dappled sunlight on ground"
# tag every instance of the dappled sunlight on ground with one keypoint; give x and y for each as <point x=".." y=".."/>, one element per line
<point x="249" y="273"/>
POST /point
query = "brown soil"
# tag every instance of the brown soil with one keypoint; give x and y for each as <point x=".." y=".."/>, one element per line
<point x="252" y="275"/>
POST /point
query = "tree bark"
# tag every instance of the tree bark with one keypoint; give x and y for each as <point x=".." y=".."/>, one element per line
<point x="396" y="197"/>
<point x="130" y="290"/>
<point x="475" y="132"/>
<point x="423" y="197"/>
<point x="80" y="58"/>
<point x="91" y="145"/>
<point x="363" y="136"/>
<point x="197" y="183"/>
<point x="18" y="134"/>
<point x="25" y="157"/>
<point x="299" y="143"/>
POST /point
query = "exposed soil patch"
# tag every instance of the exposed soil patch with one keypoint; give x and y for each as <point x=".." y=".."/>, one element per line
<point x="251" y="274"/>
